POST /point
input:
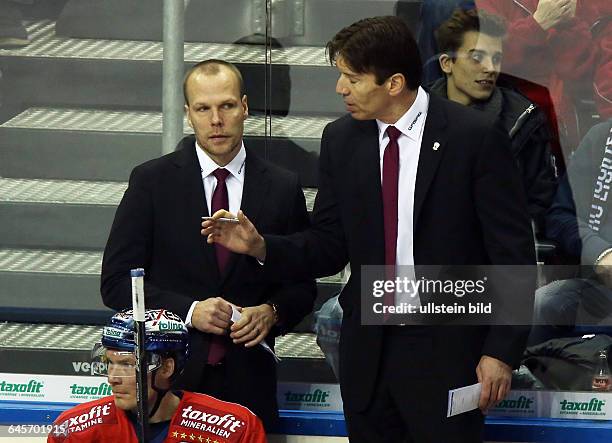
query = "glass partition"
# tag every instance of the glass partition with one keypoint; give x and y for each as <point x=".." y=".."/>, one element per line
<point x="80" y="107"/>
<point x="544" y="75"/>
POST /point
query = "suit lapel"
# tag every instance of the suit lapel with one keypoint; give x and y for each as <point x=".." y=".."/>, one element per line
<point x="369" y="188"/>
<point x="254" y="192"/>
<point x="432" y="149"/>
<point x="192" y="190"/>
<point x="256" y="185"/>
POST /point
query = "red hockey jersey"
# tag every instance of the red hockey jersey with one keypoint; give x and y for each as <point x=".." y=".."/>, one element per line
<point x="199" y="418"/>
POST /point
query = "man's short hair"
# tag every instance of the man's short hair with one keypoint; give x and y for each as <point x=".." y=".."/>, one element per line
<point x="212" y="67"/>
<point x="382" y="46"/>
<point x="449" y="35"/>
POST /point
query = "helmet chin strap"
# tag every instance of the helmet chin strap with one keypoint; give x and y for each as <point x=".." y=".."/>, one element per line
<point x="160" y="394"/>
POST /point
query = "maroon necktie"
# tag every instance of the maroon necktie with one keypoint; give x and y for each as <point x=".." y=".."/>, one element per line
<point x="220" y="201"/>
<point x="390" y="178"/>
<point x="218" y="343"/>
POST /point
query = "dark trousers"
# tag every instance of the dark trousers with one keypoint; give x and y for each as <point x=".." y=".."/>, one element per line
<point x="562" y="305"/>
<point x="410" y="401"/>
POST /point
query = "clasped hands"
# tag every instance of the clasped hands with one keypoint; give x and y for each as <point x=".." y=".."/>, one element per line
<point x="214" y="315"/>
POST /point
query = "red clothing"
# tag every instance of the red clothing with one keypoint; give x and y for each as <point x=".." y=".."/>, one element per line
<point x="197" y="418"/>
<point x="602" y="84"/>
<point x="560" y="59"/>
<point x="549" y="58"/>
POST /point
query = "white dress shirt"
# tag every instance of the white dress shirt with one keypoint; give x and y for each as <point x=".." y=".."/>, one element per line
<point x="234" y="183"/>
<point x="411" y="125"/>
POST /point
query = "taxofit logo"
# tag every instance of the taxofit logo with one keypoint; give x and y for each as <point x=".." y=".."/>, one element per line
<point x="592" y="407"/>
<point x="520" y="403"/>
<point x="31" y="387"/>
<point x="97" y="415"/>
<point x="102" y="390"/>
<point x="211" y="421"/>
<point x="316" y="396"/>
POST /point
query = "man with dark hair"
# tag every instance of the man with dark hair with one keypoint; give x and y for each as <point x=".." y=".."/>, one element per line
<point x="433" y="14"/>
<point x="363" y="53"/>
<point x="471" y="46"/>
<point x="406" y="178"/>
<point x="157" y="227"/>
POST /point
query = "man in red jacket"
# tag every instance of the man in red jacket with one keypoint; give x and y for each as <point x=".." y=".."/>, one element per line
<point x="175" y="416"/>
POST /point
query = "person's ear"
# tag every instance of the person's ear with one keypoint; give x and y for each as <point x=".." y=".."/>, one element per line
<point x="446" y="63"/>
<point x="396" y="84"/>
<point x="167" y="368"/>
<point x="188" y="117"/>
<point x="245" y="106"/>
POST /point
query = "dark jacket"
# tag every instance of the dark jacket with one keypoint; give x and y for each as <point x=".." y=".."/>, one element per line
<point x="527" y="128"/>
<point x="157" y="227"/>
<point x="468" y="209"/>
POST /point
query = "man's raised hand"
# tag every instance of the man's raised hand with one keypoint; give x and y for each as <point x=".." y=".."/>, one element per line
<point x="241" y="237"/>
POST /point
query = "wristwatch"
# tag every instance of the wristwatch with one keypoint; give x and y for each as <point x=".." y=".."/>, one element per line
<point x="274" y="307"/>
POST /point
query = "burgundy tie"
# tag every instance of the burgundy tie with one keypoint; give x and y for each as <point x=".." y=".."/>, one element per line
<point x="218" y="343"/>
<point x="390" y="178"/>
<point x="221" y="201"/>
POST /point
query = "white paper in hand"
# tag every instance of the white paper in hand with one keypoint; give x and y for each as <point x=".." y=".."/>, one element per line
<point x="463" y="399"/>
<point x="236" y="315"/>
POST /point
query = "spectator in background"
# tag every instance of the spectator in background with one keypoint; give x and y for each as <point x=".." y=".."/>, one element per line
<point x="550" y="44"/>
<point x="579" y="221"/>
<point x="471" y="46"/>
<point x="602" y="84"/>
<point x="549" y="55"/>
<point x="433" y="14"/>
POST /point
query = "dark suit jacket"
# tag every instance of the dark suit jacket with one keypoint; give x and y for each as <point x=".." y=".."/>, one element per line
<point x="157" y="227"/>
<point x="469" y="209"/>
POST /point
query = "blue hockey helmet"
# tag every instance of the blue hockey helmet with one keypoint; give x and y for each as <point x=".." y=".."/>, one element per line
<point x="165" y="335"/>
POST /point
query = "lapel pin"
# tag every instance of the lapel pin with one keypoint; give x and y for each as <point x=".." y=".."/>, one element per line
<point x="436" y="145"/>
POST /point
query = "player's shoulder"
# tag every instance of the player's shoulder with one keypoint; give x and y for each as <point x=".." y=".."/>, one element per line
<point x="85" y="418"/>
<point x="209" y="416"/>
<point x="105" y="403"/>
<point x="210" y="402"/>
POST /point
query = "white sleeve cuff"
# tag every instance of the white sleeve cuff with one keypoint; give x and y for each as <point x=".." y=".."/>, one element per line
<point x="189" y="314"/>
